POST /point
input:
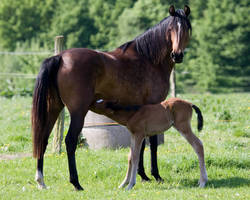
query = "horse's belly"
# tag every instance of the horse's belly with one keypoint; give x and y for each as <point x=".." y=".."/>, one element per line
<point x="132" y="94"/>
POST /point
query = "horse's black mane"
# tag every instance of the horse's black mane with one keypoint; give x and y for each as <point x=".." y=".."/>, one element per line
<point x="152" y="43"/>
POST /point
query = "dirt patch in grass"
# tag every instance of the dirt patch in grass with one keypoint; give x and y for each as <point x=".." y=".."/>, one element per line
<point x="14" y="156"/>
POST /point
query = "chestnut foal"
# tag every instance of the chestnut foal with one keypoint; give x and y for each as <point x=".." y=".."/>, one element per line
<point x="149" y="120"/>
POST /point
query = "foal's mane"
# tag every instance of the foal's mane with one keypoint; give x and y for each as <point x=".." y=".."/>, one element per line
<point x="152" y="44"/>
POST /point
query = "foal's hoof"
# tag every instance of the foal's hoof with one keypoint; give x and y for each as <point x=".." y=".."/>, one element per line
<point x="123" y="184"/>
<point x="130" y="186"/>
<point x="41" y="186"/>
<point x="202" y="184"/>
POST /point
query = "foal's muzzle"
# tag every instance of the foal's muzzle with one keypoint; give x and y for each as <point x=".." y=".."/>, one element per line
<point x="177" y="57"/>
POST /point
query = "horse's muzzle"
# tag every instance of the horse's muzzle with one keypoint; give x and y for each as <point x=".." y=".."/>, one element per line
<point x="177" y="57"/>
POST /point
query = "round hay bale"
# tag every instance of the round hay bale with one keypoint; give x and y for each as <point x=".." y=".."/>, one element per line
<point x="102" y="132"/>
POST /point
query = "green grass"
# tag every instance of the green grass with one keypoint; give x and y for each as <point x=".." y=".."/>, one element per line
<point x="225" y="137"/>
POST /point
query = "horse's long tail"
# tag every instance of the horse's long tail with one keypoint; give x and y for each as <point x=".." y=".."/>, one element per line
<point x="43" y="96"/>
<point x="199" y="117"/>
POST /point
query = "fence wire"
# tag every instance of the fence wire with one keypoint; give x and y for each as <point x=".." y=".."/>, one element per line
<point x="17" y="75"/>
<point x="26" y="53"/>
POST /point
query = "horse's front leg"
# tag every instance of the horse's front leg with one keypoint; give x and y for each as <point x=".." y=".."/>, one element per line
<point x="136" y="141"/>
<point x="141" y="170"/>
<point x="153" y="140"/>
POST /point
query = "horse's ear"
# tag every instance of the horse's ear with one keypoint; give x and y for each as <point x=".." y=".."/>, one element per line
<point x="186" y="10"/>
<point x="171" y="10"/>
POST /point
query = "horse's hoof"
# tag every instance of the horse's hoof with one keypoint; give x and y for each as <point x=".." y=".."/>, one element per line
<point x="40" y="181"/>
<point x="144" y="177"/>
<point x="158" y="178"/>
<point x="78" y="187"/>
<point x="145" y="180"/>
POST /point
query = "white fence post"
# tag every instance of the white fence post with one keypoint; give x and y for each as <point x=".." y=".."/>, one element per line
<point x="173" y="83"/>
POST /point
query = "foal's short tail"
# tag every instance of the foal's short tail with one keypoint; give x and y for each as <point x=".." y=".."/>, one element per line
<point x="43" y="96"/>
<point x="199" y="117"/>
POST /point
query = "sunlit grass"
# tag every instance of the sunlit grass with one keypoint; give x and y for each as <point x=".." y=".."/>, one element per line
<point x="100" y="173"/>
<point x="227" y="149"/>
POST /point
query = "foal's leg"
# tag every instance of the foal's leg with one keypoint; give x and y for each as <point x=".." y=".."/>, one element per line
<point x="136" y="141"/>
<point x="52" y="116"/>
<point x="197" y="145"/>
<point x="153" y="140"/>
<point x="141" y="170"/>
<point x="128" y="174"/>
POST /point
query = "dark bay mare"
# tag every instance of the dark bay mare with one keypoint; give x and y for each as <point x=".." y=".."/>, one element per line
<point x="136" y="73"/>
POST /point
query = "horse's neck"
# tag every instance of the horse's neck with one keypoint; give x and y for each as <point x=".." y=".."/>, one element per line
<point x="165" y="63"/>
<point x="166" y="66"/>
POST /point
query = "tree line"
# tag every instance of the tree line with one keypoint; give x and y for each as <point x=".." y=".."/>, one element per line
<point x="217" y="58"/>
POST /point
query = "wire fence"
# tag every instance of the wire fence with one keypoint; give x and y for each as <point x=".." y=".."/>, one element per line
<point x="26" y="53"/>
<point x="6" y="75"/>
<point x="17" y="75"/>
<point x="13" y="75"/>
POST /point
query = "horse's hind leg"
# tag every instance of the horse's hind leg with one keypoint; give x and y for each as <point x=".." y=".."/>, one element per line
<point x="52" y="117"/>
<point x="197" y="145"/>
<point x="76" y="124"/>
<point x="153" y="140"/>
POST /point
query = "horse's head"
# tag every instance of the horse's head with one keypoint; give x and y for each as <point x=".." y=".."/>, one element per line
<point x="180" y="29"/>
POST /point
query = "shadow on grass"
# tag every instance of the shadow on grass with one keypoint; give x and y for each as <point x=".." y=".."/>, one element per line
<point x="232" y="182"/>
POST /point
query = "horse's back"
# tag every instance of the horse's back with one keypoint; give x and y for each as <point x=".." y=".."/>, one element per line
<point x="79" y="57"/>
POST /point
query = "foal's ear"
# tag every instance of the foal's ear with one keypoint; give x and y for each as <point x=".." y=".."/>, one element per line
<point x="171" y="10"/>
<point x="186" y="10"/>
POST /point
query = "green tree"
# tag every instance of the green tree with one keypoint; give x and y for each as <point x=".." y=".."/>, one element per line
<point x="23" y="20"/>
<point x="219" y="57"/>
<point x="105" y="15"/>
<point x="73" y="21"/>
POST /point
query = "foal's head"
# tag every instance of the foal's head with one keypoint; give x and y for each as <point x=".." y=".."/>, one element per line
<point x="179" y="32"/>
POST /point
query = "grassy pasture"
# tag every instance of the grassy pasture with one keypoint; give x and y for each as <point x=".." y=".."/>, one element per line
<point x="225" y="137"/>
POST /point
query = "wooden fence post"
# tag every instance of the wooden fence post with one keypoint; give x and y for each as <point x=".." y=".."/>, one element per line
<point x="173" y="83"/>
<point x="58" y="136"/>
